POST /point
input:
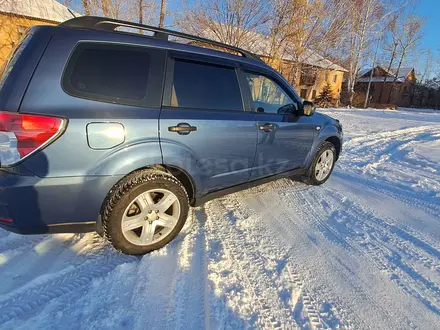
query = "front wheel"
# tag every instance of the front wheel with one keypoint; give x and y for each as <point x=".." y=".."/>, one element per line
<point x="322" y="165"/>
<point x="145" y="211"/>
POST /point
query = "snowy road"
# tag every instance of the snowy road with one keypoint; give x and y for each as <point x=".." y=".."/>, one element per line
<point x="360" y="252"/>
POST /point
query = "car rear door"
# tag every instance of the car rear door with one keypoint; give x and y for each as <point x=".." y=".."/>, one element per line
<point x="284" y="138"/>
<point x="206" y="127"/>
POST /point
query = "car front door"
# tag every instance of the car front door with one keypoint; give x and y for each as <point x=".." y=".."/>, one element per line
<point x="204" y="126"/>
<point x="284" y="137"/>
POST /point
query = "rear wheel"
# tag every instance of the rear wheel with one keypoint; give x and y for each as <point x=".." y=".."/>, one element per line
<point x="322" y="165"/>
<point x="145" y="212"/>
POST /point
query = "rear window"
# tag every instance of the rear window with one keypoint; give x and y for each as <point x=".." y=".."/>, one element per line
<point x="111" y="73"/>
<point x="205" y="86"/>
<point x="15" y="54"/>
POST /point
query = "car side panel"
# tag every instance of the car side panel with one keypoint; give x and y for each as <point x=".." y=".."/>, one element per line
<point x="286" y="147"/>
<point x="71" y="155"/>
<point x="326" y="132"/>
<point x="71" y="179"/>
<point x="35" y="203"/>
<point x="221" y="151"/>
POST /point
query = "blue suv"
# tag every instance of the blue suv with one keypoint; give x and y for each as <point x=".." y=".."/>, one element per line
<point x="108" y="130"/>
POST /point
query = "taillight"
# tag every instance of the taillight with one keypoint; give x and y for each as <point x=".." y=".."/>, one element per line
<point x="23" y="134"/>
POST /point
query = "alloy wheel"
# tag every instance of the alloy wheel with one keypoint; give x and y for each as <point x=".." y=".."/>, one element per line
<point x="324" y="165"/>
<point x="150" y="217"/>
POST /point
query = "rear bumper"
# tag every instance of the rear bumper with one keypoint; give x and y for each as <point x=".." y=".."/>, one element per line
<point x="33" y="205"/>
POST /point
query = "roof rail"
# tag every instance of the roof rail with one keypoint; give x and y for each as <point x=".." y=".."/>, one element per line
<point x="110" y="25"/>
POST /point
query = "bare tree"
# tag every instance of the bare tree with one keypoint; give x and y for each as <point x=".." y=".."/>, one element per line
<point x="408" y="40"/>
<point x="392" y="47"/>
<point x="233" y="22"/>
<point x="428" y="67"/>
<point x="301" y="29"/>
<point x="290" y="26"/>
<point x="364" y="15"/>
<point x="86" y="6"/>
<point x="141" y="11"/>
<point x="105" y="5"/>
<point x="162" y="13"/>
<point x="366" y="19"/>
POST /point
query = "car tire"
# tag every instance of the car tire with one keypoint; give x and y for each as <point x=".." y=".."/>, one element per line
<point x="322" y="166"/>
<point x="144" y="212"/>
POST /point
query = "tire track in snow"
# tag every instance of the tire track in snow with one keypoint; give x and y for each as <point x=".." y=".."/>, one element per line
<point x="249" y="266"/>
<point x="15" y="241"/>
<point x="279" y="223"/>
<point x="371" y="151"/>
<point x="378" y="252"/>
<point x="189" y="281"/>
<point x="299" y="205"/>
<point x="407" y="197"/>
<point x="169" y="283"/>
<point x="404" y="234"/>
<point x="375" y="138"/>
<point x="303" y="296"/>
<point x="302" y="300"/>
<point x="41" y="291"/>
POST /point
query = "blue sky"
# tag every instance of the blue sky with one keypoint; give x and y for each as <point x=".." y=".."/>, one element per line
<point x="430" y="9"/>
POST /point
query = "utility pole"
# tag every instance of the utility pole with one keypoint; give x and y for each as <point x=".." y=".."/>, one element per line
<point x="371" y="74"/>
<point x="162" y="13"/>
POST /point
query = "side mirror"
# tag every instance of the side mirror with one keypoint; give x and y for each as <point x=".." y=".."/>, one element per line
<point x="308" y="108"/>
<point x="287" y="109"/>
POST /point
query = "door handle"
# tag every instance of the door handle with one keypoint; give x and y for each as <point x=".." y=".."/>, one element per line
<point x="182" y="128"/>
<point x="267" y="127"/>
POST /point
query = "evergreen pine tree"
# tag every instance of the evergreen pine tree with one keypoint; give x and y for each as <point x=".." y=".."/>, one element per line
<point x="325" y="98"/>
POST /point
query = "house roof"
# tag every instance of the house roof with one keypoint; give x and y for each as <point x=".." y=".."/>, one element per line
<point x="48" y="10"/>
<point x="260" y="44"/>
<point x="363" y="72"/>
<point x="403" y="73"/>
<point x="433" y="84"/>
<point x="380" y="79"/>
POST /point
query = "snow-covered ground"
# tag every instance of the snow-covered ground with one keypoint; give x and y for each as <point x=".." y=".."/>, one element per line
<point x="360" y="252"/>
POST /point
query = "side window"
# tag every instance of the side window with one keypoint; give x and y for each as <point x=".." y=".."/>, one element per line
<point x="111" y="73"/>
<point x="267" y="95"/>
<point x="12" y="59"/>
<point x="205" y="86"/>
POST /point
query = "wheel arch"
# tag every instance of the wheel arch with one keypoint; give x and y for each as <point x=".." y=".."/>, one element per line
<point x="337" y="143"/>
<point x="186" y="180"/>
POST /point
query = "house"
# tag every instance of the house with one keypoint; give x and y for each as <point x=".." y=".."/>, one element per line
<point x="308" y="72"/>
<point x="16" y="16"/>
<point x="314" y="74"/>
<point x="426" y="95"/>
<point x="387" y="87"/>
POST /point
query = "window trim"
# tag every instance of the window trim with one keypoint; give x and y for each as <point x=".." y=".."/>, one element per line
<point x="270" y="75"/>
<point x="157" y="64"/>
<point x="202" y="59"/>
